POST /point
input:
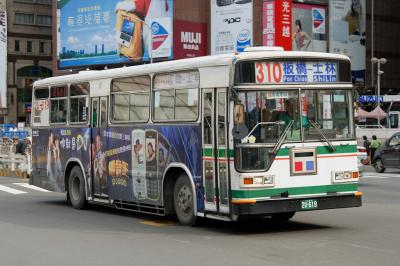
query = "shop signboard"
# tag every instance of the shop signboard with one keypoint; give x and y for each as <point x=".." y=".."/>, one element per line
<point x="190" y="39"/>
<point x="277" y="23"/>
<point x="347" y="33"/>
<point x="231" y="25"/>
<point x="3" y="59"/>
<point x="309" y="28"/>
<point x="103" y="32"/>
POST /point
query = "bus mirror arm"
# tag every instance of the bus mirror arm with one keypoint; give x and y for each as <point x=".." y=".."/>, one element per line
<point x="331" y="147"/>
<point x="282" y="138"/>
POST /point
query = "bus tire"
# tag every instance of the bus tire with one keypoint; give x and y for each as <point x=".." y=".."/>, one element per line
<point x="282" y="216"/>
<point x="76" y="188"/>
<point x="184" y="201"/>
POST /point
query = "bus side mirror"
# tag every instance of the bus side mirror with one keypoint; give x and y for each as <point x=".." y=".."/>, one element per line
<point x="238" y="114"/>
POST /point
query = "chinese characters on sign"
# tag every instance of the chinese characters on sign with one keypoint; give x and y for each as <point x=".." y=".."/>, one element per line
<point x="277" y="23"/>
<point x="295" y="72"/>
<point x="268" y="18"/>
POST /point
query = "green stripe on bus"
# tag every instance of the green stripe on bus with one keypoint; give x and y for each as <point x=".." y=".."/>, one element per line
<point x="293" y="191"/>
<point x="325" y="150"/>
<point x="285" y="151"/>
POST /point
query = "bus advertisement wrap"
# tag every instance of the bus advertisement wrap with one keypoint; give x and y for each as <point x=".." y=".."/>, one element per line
<point x="3" y="59"/>
<point x="231" y="26"/>
<point x="126" y="163"/>
<point x="347" y="33"/>
<point x="111" y="32"/>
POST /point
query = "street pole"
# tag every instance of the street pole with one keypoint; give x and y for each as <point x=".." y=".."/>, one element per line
<point x="379" y="92"/>
<point x="372" y="44"/>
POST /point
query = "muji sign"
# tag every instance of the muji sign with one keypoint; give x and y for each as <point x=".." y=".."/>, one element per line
<point x="277" y="23"/>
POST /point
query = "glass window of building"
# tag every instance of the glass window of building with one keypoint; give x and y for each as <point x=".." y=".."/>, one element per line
<point x="22" y="18"/>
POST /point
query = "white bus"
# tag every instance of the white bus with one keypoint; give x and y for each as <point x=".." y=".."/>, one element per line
<point x="260" y="133"/>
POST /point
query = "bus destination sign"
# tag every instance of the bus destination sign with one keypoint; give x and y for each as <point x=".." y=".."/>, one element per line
<point x="295" y="72"/>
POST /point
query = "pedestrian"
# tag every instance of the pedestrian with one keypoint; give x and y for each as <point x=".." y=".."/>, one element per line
<point x="20" y="147"/>
<point x="366" y="145"/>
<point x="375" y="144"/>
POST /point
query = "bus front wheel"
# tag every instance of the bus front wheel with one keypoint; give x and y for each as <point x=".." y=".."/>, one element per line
<point x="184" y="200"/>
<point x="76" y="188"/>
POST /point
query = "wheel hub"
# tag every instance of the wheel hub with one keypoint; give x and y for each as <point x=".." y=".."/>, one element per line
<point x="184" y="199"/>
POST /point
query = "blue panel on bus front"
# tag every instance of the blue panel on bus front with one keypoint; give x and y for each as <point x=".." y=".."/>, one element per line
<point x="128" y="163"/>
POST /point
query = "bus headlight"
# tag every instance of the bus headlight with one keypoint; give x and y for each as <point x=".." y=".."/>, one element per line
<point x="257" y="181"/>
<point x="344" y="176"/>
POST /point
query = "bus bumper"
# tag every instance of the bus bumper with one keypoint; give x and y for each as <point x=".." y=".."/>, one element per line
<point x="265" y="207"/>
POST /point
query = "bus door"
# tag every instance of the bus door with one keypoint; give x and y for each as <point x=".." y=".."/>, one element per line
<point x="98" y="146"/>
<point x="215" y="152"/>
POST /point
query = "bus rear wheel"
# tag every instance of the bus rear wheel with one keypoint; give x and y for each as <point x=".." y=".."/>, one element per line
<point x="76" y="188"/>
<point x="184" y="201"/>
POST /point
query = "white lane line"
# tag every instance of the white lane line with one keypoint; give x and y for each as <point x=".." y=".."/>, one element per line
<point x="31" y="187"/>
<point x="374" y="176"/>
<point x="11" y="190"/>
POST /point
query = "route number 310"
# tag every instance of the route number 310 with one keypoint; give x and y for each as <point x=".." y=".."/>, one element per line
<point x="269" y="72"/>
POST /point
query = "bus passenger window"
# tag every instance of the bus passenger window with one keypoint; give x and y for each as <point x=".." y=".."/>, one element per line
<point x="79" y="102"/>
<point x="41" y="106"/>
<point x="130" y="99"/>
<point x="59" y="105"/>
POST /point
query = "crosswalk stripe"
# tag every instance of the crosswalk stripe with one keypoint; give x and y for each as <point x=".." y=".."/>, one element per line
<point x="31" y="187"/>
<point x="11" y="190"/>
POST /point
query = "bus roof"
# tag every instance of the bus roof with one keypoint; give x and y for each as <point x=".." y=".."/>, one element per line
<point x="184" y="64"/>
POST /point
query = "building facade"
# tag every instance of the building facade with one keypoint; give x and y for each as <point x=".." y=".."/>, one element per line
<point x="29" y="55"/>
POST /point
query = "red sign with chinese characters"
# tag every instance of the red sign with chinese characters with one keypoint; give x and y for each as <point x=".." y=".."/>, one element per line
<point x="277" y="23"/>
<point x="190" y="39"/>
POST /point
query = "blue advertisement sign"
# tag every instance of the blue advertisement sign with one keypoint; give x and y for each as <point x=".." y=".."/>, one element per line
<point x="369" y="98"/>
<point x="103" y="32"/>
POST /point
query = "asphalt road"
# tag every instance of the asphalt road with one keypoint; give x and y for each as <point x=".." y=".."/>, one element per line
<point x="39" y="228"/>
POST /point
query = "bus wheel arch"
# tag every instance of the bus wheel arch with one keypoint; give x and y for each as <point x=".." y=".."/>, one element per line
<point x="171" y="177"/>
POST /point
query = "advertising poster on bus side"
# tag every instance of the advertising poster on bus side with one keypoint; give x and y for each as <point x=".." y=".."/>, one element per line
<point x="101" y="32"/>
<point x="3" y="59"/>
<point x="347" y="33"/>
<point x="309" y="28"/>
<point x="231" y="25"/>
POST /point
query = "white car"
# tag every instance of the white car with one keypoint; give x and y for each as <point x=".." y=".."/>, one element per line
<point x="362" y="158"/>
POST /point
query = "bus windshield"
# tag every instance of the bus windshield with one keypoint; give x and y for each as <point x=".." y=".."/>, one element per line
<point x="316" y="115"/>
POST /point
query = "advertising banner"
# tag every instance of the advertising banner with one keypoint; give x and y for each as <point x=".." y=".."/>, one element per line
<point x="190" y="39"/>
<point x="309" y="28"/>
<point x="277" y="23"/>
<point x="3" y="59"/>
<point x="231" y="25"/>
<point x="100" y="32"/>
<point x="347" y="33"/>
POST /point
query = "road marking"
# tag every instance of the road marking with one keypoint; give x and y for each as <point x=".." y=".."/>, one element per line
<point x="31" y="187"/>
<point x="157" y="223"/>
<point x="380" y="176"/>
<point x="11" y="190"/>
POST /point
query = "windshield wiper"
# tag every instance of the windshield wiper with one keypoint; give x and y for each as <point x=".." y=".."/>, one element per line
<point x="282" y="138"/>
<point x="332" y="148"/>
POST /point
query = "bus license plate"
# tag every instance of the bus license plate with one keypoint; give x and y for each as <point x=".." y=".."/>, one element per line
<point x="309" y="204"/>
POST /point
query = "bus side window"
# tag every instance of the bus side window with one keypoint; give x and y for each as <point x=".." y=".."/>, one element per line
<point x="41" y="103"/>
<point x="78" y="103"/>
<point x="59" y="104"/>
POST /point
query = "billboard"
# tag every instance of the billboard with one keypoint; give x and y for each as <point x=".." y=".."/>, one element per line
<point x="102" y="32"/>
<point x="3" y="59"/>
<point x="190" y="39"/>
<point x="347" y="33"/>
<point x="231" y="25"/>
<point x="309" y="28"/>
<point x="277" y="23"/>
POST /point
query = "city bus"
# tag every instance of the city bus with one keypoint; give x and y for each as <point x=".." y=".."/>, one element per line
<point x="261" y="133"/>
